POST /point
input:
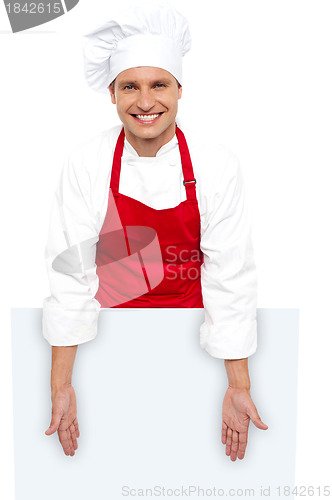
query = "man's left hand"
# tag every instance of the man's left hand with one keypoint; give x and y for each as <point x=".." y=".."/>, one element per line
<point x="237" y="411"/>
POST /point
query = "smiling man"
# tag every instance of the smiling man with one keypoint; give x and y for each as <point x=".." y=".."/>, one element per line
<point x="147" y="172"/>
<point x="146" y="100"/>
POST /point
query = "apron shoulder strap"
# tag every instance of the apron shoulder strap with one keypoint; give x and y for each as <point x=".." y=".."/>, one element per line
<point x="189" y="180"/>
<point x="116" y="167"/>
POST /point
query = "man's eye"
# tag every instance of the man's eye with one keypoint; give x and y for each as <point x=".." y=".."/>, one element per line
<point x="160" y="84"/>
<point x="128" y="87"/>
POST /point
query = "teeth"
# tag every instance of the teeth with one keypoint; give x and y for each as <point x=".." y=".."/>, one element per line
<point x="147" y="118"/>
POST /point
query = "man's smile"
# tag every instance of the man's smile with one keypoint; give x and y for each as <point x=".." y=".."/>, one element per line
<point x="147" y="118"/>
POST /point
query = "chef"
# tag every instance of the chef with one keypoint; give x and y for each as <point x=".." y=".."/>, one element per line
<point x="163" y="202"/>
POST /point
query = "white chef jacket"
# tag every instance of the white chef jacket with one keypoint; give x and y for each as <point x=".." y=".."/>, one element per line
<point x="228" y="273"/>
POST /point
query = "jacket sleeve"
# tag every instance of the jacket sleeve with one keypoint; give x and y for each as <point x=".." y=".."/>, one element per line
<point x="70" y="313"/>
<point x="228" y="274"/>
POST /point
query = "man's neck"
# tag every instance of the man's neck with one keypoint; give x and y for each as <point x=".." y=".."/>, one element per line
<point x="149" y="147"/>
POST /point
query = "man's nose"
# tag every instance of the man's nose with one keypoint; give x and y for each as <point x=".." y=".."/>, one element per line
<point x="146" y="100"/>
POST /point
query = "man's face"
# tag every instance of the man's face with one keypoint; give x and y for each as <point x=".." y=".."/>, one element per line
<point x="147" y="102"/>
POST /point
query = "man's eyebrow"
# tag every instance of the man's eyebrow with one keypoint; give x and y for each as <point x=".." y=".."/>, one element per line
<point x="134" y="82"/>
<point x="127" y="82"/>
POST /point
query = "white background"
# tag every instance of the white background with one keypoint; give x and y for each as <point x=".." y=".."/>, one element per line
<point x="258" y="77"/>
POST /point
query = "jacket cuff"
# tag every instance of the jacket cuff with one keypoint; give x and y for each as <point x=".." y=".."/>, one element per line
<point x="229" y="341"/>
<point x="67" y="326"/>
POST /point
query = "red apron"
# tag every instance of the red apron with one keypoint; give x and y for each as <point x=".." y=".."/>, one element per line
<point x="178" y="232"/>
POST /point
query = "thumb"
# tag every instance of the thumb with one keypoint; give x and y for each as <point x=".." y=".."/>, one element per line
<point x="253" y="414"/>
<point x="55" y="422"/>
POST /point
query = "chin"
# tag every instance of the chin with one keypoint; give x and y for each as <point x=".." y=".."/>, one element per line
<point x="147" y="134"/>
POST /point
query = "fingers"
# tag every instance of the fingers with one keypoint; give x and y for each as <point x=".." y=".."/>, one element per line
<point x="67" y="434"/>
<point x="224" y="433"/>
<point x="234" y="445"/>
<point x="65" y="438"/>
<point x="243" y="439"/>
<point x="236" y="442"/>
<point x="68" y="438"/>
<point x="229" y="435"/>
<point x="77" y="431"/>
<point x="72" y="429"/>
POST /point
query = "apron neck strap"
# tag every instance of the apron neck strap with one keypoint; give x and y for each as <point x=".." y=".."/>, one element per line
<point x="187" y="168"/>
<point x="116" y="167"/>
<point x="189" y="180"/>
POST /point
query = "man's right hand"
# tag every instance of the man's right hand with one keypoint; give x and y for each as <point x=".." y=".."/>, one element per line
<point x="64" y="418"/>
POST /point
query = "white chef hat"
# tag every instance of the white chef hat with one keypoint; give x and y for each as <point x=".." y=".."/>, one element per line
<point x="151" y="34"/>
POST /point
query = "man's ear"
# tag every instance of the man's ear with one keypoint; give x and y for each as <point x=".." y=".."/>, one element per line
<point x="179" y="91"/>
<point x="112" y="92"/>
